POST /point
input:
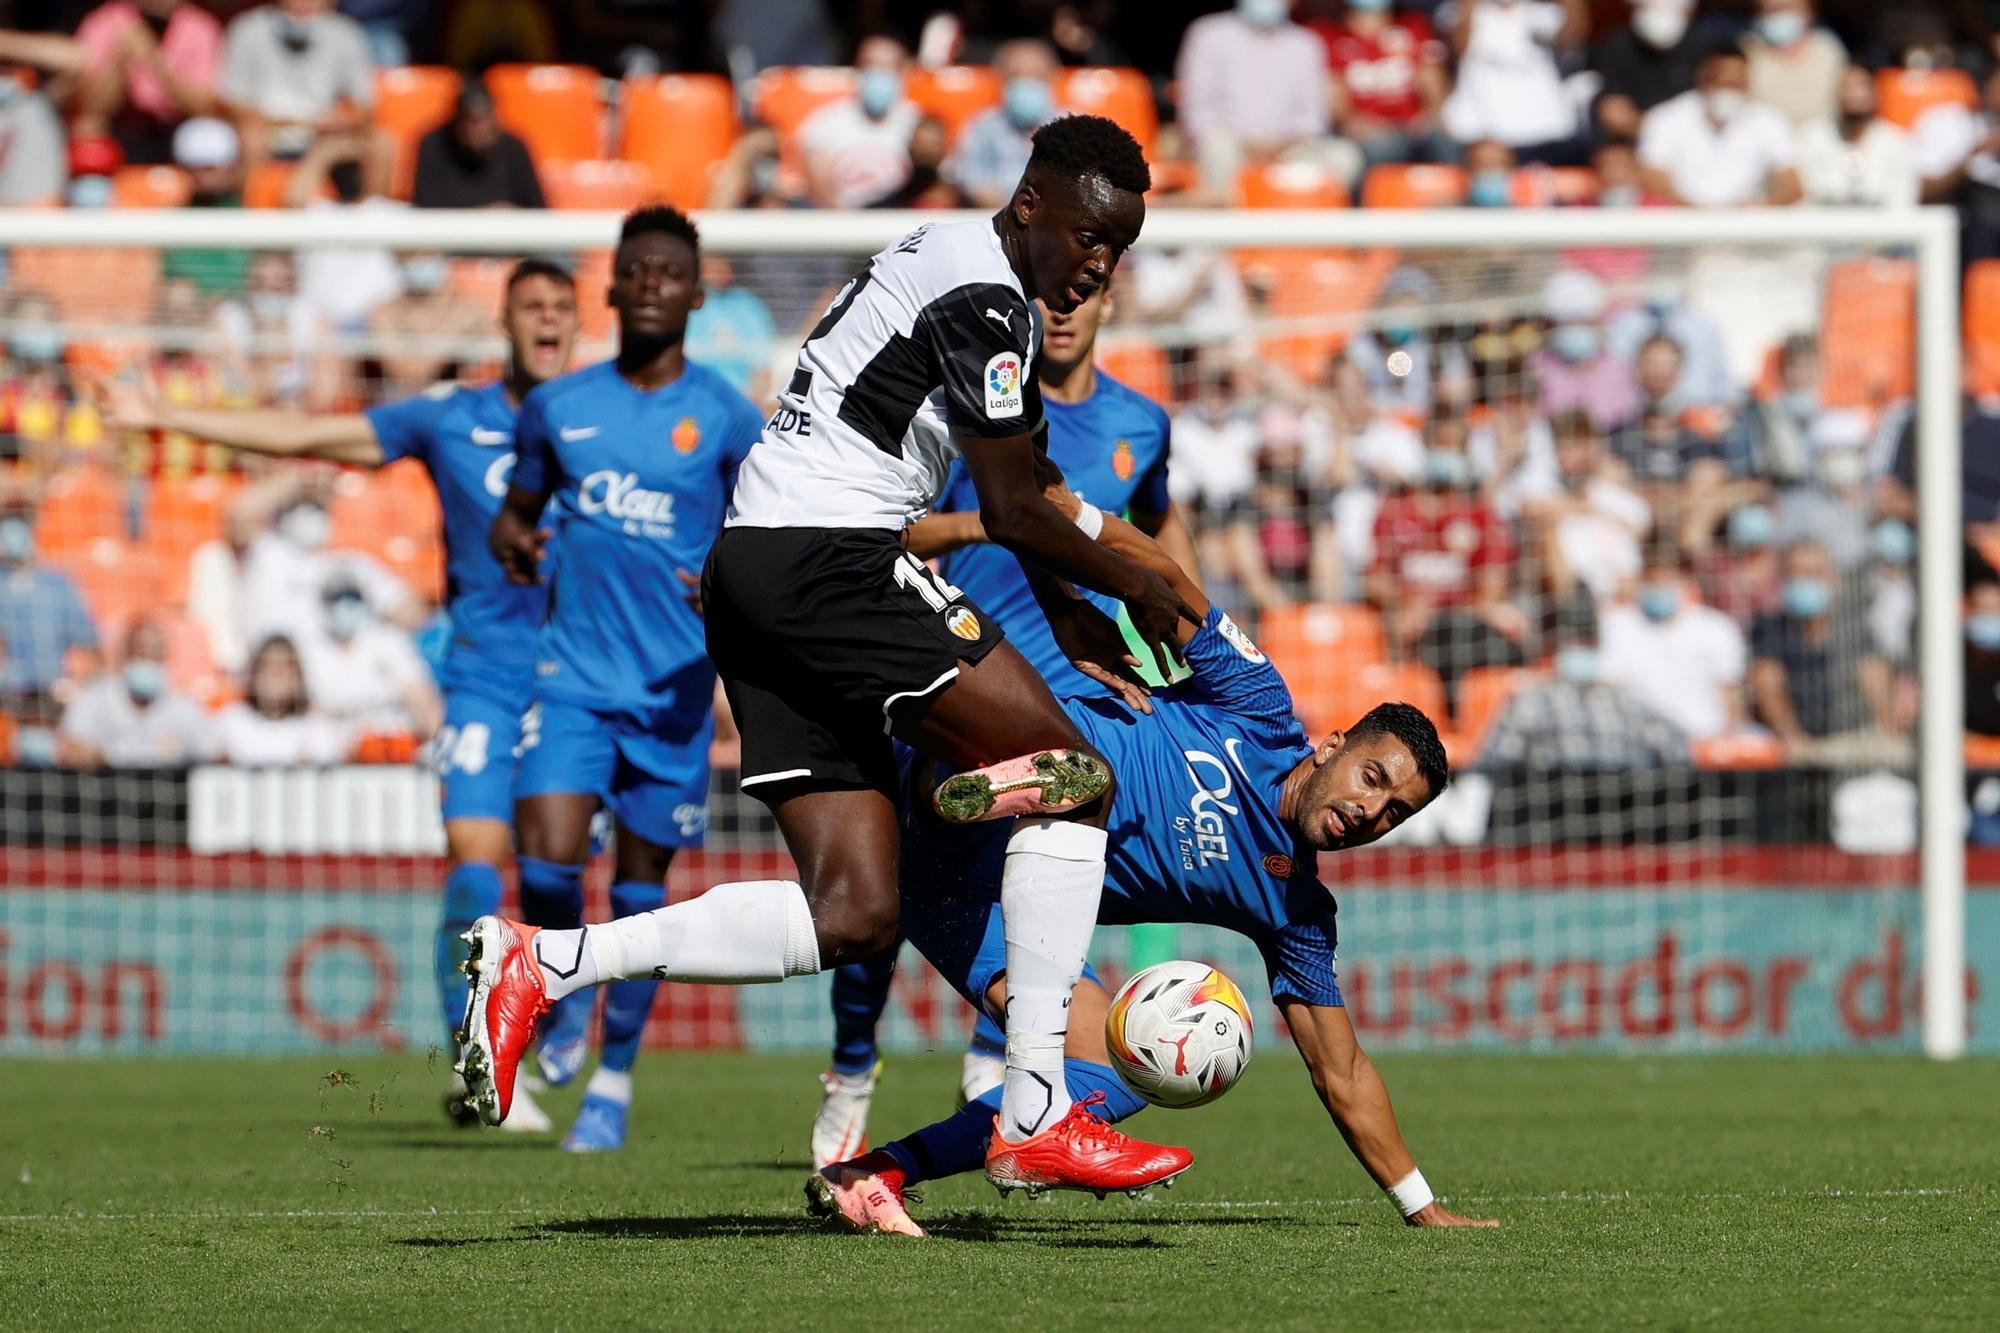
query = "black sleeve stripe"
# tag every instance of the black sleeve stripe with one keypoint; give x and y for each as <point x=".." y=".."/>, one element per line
<point x="979" y="335"/>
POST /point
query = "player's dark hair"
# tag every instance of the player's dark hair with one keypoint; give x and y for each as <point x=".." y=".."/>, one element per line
<point x="1407" y="723"/>
<point x="1078" y="146"/>
<point x="538" y="268"/>
<point x="658" y="218"/>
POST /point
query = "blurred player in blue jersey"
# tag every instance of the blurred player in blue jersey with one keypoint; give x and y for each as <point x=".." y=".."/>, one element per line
<point x="1220" y="815"/>
<point x="1111" y="443"/>
<point x="463" y="435"/>
<point x="633" y="460"/>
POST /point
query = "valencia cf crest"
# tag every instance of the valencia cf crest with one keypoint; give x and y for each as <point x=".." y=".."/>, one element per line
<point x="1122" y="462"/>
<point x="962" y="623"/>
<point x="1279" y="865"/>
<point x="687" y="435"/>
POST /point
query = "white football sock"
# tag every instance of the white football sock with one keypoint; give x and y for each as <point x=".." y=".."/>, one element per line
<point x="614" y="1084"/>
<point x="735" y="934"/>
<point x="1048" y="899"/>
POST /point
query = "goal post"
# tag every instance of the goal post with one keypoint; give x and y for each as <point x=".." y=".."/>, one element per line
<point x="1497" y="262"/>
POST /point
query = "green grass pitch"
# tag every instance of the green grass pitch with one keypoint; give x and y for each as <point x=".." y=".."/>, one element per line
<point x="1669" y="1193"/>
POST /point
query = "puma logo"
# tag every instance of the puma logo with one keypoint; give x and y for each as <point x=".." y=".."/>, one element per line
<point x="999" y="319"/>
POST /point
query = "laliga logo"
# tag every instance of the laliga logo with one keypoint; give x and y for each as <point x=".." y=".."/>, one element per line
<point x="1000" y="377"/>
<point x="1208" y="805"/>
<point x="498" y="473"/>
<point x="619" y="495"/>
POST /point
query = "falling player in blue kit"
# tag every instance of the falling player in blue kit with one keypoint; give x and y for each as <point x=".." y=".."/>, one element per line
<point x="1220" y="818"/>
<point x="633" y="460"/>
<point x="1111" y="443"/>
<point x="463" y="435"/>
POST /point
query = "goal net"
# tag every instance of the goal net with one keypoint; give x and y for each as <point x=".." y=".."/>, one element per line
<point x="1639" y="507"/>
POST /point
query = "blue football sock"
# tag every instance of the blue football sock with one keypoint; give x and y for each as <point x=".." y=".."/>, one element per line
<point x="627" y="1004"/>
<point x="958" y="1144"/>
<point x="551" y="893"/>
<point x="988" y="1037"/>
<point x="860" y="994"/>
<point x="470" y="892"/>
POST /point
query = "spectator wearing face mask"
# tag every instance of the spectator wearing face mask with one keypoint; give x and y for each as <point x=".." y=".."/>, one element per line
<point x="1620" y="182"/>
<point x="1589" y="524"/>
<point x="423" y="333"/>
<point x="1489" y="174"/>
<point x="857" y="149"/>
<point x="1581" y="722"/>
<point x="471" y="162"/>
<point x="1644" y="64"/>
<point x="1832" y="505"/>
<point x="1813" y="678"/>
<point x="1982" y="657"/>
<point x="1253" y="89"/>
<point x="34" y="161"/>
<point x="207" y="149"/>
<point x="1443" y="567"/>
<point x="1685" y="661"/>
<point x="1958" y="155"/>
<point x="281" y="525"/>
<point x="1389" y="82"/>
<point x="273" y="345"/>
<point x="1795" y="65"/>
<point x="364" y="674"/>
<point x="993" y="150"/>
<point x="1715" y="147"/>
<point x="1891" y="592"/>
<point x="732" y="332"/>
<point x="1510" y="86"/>
<point x="1743" y="574"/>
<point x="1411" y="382"/>
<point x="1576" y="371"/>
<point x="150" y="65"/>
<point x="132" y="717"/>
<point x="276" y="725"/>
<point x="925" y="186"/>
<point x="1857" y="158"/>
<point x="296" y="74"/>
<point x="42" y="616"/>
<point x="37" y="398"/>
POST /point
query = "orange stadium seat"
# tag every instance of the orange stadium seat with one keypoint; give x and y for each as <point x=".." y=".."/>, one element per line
<point x="88" y="286"/>
<point x="1316" y="647"/>
<point x="785" y="96"/>
<point x="1903" y="95"/>
<point x="608" y="183"/>
<point x="1982" y="327"/>
<point x="410" y="102"/>
<point x="1982" y="752"/>
<point x="392" y="515"/>
<point x="557" y="110"/>
<point x="1320" y="290"/>
<point x="266" y="184"/>
<point x="1553" y="187"/>
<point x="955" y="93"/>
<point x="182" y="513"/>
<point x="80" y="507"/>
<point x="150" y="187"/>
<point x="1869" y="344"/>
<point x="1139" y="365"/>
<point x="1350" y="695"/>
<point x="1739" y="750"/>
<point x="1123" y="95"/>
<point x="679" y="126"/>
<point x="116" y="578"/>
<point x="1412" y="185"/>
<point x="1290" y="185"/>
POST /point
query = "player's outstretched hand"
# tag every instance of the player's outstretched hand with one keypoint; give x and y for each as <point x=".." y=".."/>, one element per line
<point x="1435" y="1214"/>
<point x="692" y="585"/>
<point x="1093" y="642"/>
<point x="123" y="405"/>
<point x="1158" y="614"/>
<point x="518" y="546"/>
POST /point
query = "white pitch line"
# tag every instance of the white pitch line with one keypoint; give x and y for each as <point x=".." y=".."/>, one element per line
<point x="256" y="1215"/>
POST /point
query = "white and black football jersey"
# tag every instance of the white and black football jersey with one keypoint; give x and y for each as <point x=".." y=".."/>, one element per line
<point x="934" y="338"/>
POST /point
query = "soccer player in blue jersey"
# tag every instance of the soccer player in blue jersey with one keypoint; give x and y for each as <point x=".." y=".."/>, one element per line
<point x="1219" y="818"/>
<point x="463" y="435"/>
<point x="630" y="464"/>
<point x="1111" y="443"/>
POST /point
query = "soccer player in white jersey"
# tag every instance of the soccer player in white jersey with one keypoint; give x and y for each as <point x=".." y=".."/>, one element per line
<point x="832" y="640"/>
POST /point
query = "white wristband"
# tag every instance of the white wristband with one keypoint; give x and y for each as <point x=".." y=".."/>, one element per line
<point x="1411" y="1194"/>
<point x="1090" y="518"/>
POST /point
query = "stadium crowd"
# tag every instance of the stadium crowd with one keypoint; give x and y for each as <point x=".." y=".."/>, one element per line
<point x="1598" y="524"/>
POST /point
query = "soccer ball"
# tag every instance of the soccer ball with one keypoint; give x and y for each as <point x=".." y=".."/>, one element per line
<point x="1179" y="1033"/>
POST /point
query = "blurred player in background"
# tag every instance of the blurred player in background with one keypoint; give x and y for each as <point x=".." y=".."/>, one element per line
<point x="633" y="459"/>
<point x="1228" y="737"/>
<point x="463" y="435"/>
<point x="1111" y="443"/>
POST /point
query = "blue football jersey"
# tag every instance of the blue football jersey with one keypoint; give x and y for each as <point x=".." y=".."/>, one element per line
<point x="1194" y="830"/>
<point x="638" y="482"/>
<point x="1112" y="449"/>
<point x="464" y="437"/>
